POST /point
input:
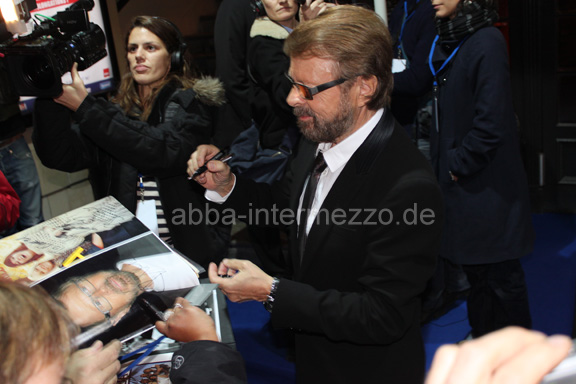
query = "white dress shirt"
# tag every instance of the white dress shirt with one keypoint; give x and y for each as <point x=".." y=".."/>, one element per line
<point x="336" y="158"/>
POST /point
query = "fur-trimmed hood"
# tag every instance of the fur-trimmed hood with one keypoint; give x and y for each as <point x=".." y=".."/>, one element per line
<point x="263" y="26"/>
<point x="210" y="91"/>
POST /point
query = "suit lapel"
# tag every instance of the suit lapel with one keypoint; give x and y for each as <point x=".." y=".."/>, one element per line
<point x="352" y="180"/>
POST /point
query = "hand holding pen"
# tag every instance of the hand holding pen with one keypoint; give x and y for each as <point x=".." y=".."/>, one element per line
<point x="187" y="323"/>
<point x="212" y="175"/>
<point x="222" y="155"/>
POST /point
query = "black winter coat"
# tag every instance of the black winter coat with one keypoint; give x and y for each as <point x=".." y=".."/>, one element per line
<point x="116" y="148"/>
<point x="412" y="84"/>
<point x="488" y="216"/>
<point x="268" y="64"/>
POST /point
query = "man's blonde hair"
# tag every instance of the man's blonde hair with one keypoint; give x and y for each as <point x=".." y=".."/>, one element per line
<point x="356" y="38"/>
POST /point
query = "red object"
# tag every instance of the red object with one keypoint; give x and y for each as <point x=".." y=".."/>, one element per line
<point x="9" y="204"/>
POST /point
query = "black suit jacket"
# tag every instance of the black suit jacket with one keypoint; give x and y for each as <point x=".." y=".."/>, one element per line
<point x="354" y="298"/>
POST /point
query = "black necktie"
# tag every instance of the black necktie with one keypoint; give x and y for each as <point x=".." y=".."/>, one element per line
<point x="317" y="169"/>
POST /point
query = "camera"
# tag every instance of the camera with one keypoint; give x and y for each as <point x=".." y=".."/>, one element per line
<point x="37" y="62"/>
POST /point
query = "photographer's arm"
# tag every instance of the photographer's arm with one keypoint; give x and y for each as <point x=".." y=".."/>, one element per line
<point x="58" y="143"/>
<point x="153" y="147"/>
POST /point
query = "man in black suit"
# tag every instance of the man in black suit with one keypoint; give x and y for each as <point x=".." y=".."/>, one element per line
<point x="372" y="233"/>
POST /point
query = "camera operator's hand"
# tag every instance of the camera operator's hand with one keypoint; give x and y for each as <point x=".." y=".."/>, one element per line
<point x="73" y="94"/>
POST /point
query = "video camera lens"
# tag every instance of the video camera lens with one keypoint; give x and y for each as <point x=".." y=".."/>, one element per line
<point x="37" y="62"/>
<point x="38" y="72"/>
<point x="36" y="66"/>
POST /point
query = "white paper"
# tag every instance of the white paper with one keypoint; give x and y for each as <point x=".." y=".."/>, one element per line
<point x="398" y="65"/>
<point x="146" y="213"/>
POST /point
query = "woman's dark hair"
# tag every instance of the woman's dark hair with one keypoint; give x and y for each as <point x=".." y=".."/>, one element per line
<point x="127" y="96"/>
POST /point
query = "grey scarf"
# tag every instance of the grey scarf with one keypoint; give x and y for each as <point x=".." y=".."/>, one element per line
<point x="471" y="17"/>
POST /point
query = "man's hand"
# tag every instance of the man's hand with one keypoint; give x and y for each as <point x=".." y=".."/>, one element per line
<point x="97" y="364"/>
<point x="218" y="177"/>
<point x="73" y="94"/>
<point x="510" y="355"/>
<point x="244" y="281"/>
<point x="187" y="323"/>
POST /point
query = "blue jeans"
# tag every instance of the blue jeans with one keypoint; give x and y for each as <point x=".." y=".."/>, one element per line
<point x="17" y="164"/>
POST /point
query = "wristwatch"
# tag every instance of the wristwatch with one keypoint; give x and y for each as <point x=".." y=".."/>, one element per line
<point x="269" y="303"/>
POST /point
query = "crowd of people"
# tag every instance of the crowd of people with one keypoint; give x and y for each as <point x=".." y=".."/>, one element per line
<point x="343" y="126"/>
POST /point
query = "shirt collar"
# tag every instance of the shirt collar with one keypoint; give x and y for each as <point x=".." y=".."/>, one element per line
<point x="337" y="156"/>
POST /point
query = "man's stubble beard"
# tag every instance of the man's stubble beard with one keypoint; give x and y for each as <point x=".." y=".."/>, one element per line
<point x="324" y="131"/>
<point x="133" y="283"/>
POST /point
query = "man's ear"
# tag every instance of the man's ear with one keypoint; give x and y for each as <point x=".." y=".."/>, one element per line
<point x="368" y="87"/>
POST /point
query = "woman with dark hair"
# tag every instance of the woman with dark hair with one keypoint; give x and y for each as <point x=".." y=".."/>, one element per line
<point x="475" y="151"/>
<point x="136" y="145"/>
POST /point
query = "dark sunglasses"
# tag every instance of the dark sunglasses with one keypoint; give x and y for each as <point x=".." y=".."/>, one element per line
<point x="308" y="93"/>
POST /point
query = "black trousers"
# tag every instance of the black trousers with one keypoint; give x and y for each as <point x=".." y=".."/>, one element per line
<point x="498" y="297"/>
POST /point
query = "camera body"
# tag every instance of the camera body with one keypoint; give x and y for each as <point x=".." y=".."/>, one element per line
<point x="36" y="63"/>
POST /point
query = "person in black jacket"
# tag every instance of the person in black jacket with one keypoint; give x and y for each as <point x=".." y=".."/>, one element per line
<point x="413" y="30"/>
<point x="202" y="358"/>
<point x="475" y="152"/>
<point x="231" y="38"/>
<point x="353" y="300"/>
<point x="262" y="150"/>
<point x="16" y="160"/>
<point x="137" y="144"/>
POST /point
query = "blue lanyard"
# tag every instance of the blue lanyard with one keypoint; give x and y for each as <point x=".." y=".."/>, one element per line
<point x="147" y="349"/>
<point x="434" y="72"/>
<point x="404" y="20"/>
